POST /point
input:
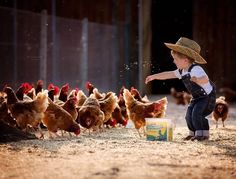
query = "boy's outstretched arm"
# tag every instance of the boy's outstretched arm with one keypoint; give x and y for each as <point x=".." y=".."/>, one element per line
<point x="161" y="76"/>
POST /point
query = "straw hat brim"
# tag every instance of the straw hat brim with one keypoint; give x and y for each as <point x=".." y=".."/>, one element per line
<point x="187" y="51"/>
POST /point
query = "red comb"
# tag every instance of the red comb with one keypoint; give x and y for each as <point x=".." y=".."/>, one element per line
<point x="124" y="123"/>
<point x="56" y="90"/>
<point x="27" y="87"/>
<point x="50" y="86"/>
<point x="133" y="90"/>
<point x="65" y="87"/>
<point x="88" y="85"/>
<point x="76" y="90"/>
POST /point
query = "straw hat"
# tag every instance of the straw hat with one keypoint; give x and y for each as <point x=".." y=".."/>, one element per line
<point x="189" y="48"/>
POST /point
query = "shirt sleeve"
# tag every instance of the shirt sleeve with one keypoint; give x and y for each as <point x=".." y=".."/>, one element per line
<point x="198" y="72"/>
<point x="177" y="74"/>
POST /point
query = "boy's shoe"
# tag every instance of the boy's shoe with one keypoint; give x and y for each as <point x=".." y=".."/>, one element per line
<point x="189" y="137"/>
<point x="200" y="138"/>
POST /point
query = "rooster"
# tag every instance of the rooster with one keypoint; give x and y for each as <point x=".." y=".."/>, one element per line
<point x="27" y="112"/>
<point x="57" y="118"/>
<point x="138" y="111"/>
<point x="90" y="114"/>
<point x="220" y="111"/>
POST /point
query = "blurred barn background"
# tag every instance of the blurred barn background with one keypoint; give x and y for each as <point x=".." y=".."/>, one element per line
<point x="112" y="43"/>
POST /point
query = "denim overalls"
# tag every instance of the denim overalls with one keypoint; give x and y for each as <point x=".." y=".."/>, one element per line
<point x="201" y="105"/>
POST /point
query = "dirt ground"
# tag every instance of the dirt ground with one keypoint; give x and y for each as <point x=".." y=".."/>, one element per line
<point x="121" y="153"/>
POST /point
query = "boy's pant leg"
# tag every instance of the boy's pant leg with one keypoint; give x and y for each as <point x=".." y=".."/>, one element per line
<point x="188" y="119"/>
<point x="210" y="107"/>
<point x="200" y="122"/>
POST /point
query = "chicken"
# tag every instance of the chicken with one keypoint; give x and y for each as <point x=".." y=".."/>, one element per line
<point x="108" y="104"/>
<point x="4" y="114"/>
<point x="89" y="86"/>
<point x="121" y="103"/>
<point x="27" y="112"/>
<point x="180" y="97"/>
<point x="119" y="115"/>
<point x="70" y="107"/>
<point x="20" y="92"/>
<point x="220" y="111"/>
<point x="187" y="97"/>
<point x="138" y="111"/>
<point x="39" y="86"/>
<point x="90" y="114"/>
<point x="64" y="92"/>
<point x="31" y="94"/>
<point x="23" y="90"/>
<point x="118" y="118"/>
<point x="52" y="91"/>
<point x="96" y="94"/>
<point x="137" y="95"/>
<point x="159" y="112"/>
<point x="57" y="118"/>
<point x="228" y="93"/>
<point x="73" y="93"/>
<point x="81" y="98"/>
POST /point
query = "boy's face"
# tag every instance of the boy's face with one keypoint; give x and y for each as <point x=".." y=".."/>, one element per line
<point x="180" y="62"/>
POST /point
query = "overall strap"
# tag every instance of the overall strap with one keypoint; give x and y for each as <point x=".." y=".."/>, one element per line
<point x="180" y="71"/>
<point x="191" y="67"/>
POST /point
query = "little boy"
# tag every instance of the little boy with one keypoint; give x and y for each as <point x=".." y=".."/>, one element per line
<point x="186" y="55"/>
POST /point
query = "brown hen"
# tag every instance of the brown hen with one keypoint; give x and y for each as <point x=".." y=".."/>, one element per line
<point x="90" y="114"/>
<point x="138" y="111"/>
<point x="27" y="112"/>
<point x="220" y="111"/>
<point x="57" y="118"/>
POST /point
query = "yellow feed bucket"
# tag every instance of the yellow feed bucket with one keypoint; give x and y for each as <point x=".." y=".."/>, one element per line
<point x="159" y="129"/>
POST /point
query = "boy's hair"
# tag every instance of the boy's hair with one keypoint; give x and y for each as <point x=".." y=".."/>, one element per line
<point x="182" y="56"/>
